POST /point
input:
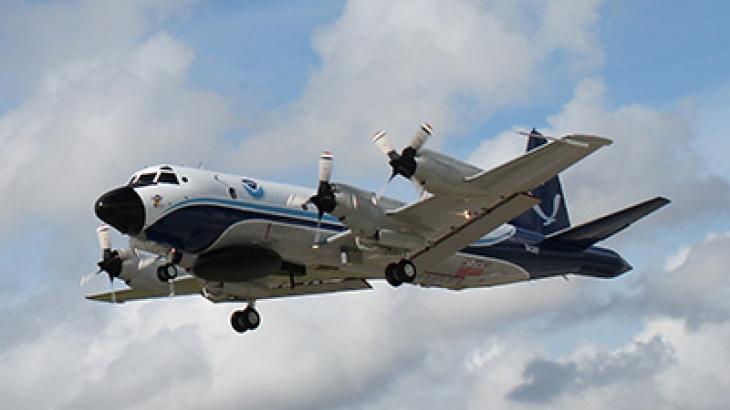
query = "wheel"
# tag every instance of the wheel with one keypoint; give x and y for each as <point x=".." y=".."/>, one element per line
<point x="162" y="274"/>
<point x="407" y="270"/>
<point x="391" y="277"/>
<point x="237" y="321"/>
<point x="251" y="317"/>
<point x="166" y="272"/>
<point x="171" y="271"/>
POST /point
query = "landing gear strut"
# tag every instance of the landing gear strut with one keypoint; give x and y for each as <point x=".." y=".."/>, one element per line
<point x="246" y="319"/>
<point x="402" y="272"/>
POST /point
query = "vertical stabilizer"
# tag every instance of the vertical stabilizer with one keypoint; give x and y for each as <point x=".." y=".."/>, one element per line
<point x="551" y="214"/>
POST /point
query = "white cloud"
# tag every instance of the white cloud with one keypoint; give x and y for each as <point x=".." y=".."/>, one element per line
<point x="654" y="153"/>
<point x="393" y="65"/>
<point x="92" y="121"/>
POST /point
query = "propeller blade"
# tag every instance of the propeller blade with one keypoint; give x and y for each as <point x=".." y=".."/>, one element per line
<point x="422" y="193"/>
<point x="325" y="166"/>
<point x="421" y="136"/>
<point x="113" y="292"/>
<point x="381" y="141"/>
<point x="102" y="234"/>
<point x="86" y="278"/>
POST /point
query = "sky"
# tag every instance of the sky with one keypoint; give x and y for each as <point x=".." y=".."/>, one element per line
<point x="91" y="91"/>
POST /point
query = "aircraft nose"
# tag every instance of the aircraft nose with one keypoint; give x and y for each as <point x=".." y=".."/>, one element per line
<point x="123" y="209"/>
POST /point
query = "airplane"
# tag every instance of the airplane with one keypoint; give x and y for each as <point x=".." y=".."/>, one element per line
<point x="239" y="239"/>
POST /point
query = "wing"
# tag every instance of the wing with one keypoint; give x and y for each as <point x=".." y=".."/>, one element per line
<point x="184" y="286"/>
<point x="451" y="223"/>
<point x="247" y="291"/>
<point x="240" y="292"/>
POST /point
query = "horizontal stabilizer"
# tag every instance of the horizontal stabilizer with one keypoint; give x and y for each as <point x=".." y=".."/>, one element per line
<point x="585" y="235"/>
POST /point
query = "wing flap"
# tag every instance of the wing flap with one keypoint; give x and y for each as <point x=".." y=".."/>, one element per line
<point x="183" y="286"/>
<point x="344" y="285"/>
<point x="468" y="232"/>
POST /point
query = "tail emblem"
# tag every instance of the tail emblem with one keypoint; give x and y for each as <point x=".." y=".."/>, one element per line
<point x="549" y="220"/>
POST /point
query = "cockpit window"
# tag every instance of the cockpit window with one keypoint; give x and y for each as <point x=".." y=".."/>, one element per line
<point x="167" y="178"/>
<point x="144" y="180"/>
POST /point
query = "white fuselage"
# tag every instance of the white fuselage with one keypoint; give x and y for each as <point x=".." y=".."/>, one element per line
<point x="205" y="211"/>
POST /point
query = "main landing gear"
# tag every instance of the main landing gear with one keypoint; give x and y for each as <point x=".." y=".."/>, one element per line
<point x="167" y="272"/>
<point x="402" y="272"/>
<point x="246" y="319"/>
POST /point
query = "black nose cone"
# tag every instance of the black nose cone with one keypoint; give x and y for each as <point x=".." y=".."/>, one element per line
<point x="123" y="209"/>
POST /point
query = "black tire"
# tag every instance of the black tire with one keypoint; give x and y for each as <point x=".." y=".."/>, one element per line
<point x="171" y="271"/>
<point x="251" y="317"/>
<point x="162" y="274"/>
<point x="391" y="277"/>
<point x="406" y="270"/>
<point x="237" y="321"/>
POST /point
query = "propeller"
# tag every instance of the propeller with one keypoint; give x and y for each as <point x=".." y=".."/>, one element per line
<point x="404" y="164"/>
<point x="324" y="200"/>
<point x="110" y="263"/>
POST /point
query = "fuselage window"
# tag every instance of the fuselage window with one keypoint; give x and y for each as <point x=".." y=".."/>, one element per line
<point x="167" y="178"/>
<point x="145" y="179"/>
<point x="232" y="192"/>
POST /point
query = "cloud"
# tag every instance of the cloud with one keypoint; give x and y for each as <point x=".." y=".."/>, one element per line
<point x="696" y="290"/>
<point x="654" y="153"/>
<point x="92" y="121"/>
<point x="393" y="65"/>
<point x="547" y="379"/>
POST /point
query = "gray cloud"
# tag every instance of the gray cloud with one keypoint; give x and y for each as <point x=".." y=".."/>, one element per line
<point x="547" y="379"/>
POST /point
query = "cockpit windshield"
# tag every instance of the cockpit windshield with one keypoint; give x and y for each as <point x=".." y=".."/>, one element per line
<point x="164" y="176"/>
<point x="144" y="180"/>
<point x="167" y="178"/>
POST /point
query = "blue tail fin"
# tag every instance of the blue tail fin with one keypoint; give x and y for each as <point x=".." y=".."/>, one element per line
<point x="551" y="214"/>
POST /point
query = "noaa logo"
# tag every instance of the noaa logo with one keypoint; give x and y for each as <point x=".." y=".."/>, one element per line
<point x="156" y="200"/>
<point x="253" y="188"/>
<point x="548" y="220"/>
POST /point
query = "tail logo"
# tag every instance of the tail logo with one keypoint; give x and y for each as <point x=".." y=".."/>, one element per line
<point x="549" y="220"/>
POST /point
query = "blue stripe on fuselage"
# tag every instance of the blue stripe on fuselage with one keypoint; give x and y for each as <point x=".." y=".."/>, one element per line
<point x="194" y="225"/>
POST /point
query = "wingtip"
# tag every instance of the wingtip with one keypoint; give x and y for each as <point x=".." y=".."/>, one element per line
<point x="590" y="140"/>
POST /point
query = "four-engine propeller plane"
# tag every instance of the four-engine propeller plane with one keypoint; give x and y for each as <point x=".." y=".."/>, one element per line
<point x="238" y="239"/>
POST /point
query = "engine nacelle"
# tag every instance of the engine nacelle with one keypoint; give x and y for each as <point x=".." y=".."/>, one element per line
<point x="140" y="270"/>
<point x="441" y="174"/>
<point x="359" y="209"/>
